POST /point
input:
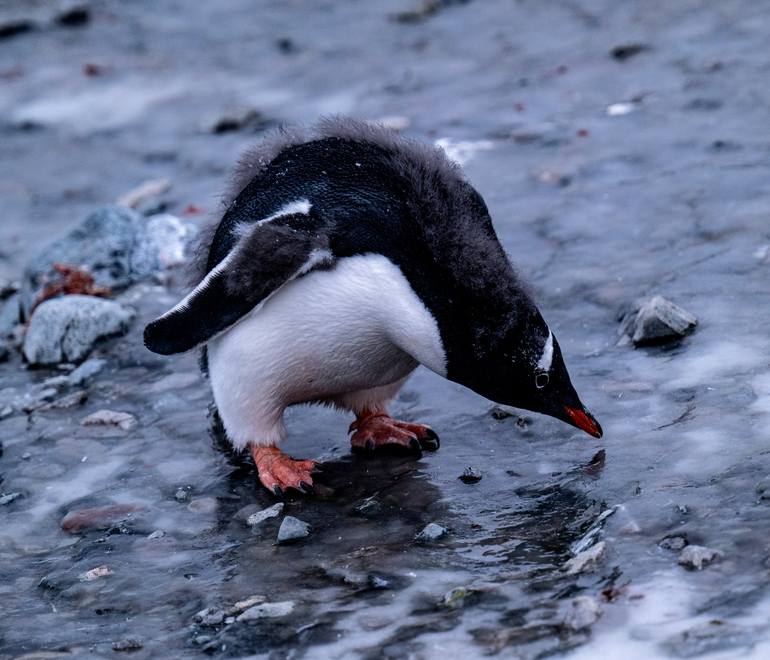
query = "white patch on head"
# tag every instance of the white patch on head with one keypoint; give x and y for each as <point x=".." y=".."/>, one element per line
<point x="297" y="207"/>
<point x="544" y="363"/>
<point x="300" y="206"/>
<point x="352" y="328"/>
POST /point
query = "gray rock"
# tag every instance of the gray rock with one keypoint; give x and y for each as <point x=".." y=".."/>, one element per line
<point x="183" y="494"/>
<point x="211" y="616"/>
<point x="66" y="329"/>
<point x="267" y="610"/>
<point x="655" y="321"/>
<point x="86" y="371"/>
<point x="697" y="557"/>
<point x="583" y="612"/>
<point x="122" y="420"/>
<point x="72" y="400"/>
<point x="6" y="411"/>
<point x="8" y="498"/>
<point x="116" y="245"/>
<point x="259" y="517"/>
<point x="126" y="645"/>
<point x="470" y="475"/>
<point x="430" y="533"/>
<point x="292" y="529"/>
<point x="586" y="560"/>
<point x="675" y="542"/>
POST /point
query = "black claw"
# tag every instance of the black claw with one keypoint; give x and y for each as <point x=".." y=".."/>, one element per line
<point x="414" y="445"/>
<point x="430" y="442"/>
<point x="278" y="491"/>
<point x="306" y="488"/>
<point x="370" y="445"/>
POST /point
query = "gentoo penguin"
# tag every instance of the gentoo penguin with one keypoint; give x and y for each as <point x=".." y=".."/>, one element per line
<point x="346" y="257"/>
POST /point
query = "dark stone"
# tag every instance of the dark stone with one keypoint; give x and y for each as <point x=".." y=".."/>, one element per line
<point x="625" y="52"/>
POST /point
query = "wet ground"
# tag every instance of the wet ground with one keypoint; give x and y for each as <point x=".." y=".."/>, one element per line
<point x="609" y="178"/>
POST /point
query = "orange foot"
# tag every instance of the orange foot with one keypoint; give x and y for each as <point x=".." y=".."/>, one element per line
<point x="374" y="430"/>
<point x="277" y="471"/>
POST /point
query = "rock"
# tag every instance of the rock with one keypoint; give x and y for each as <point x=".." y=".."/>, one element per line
<point x="95" y="573"/>
<point x="7" y="498"/>
<point x="430" y="533"/>
<point x="102" y="517"/>
<point x="66" y="329"/>
<point x="619" y="109"/>
<point x="122" y="420"/>
<point x="157" y="534"/>
<point x="260" y="516"/>
<point x="245" y="604"/>
<point x="247" y="119"/>
<point x="369" y="507"/>
<point x="6" y="411"/>
<point x="86" y="371"/>
<point x="625" y="52"/>
<point x="586" y="560"/>
<point x="116" y="245"/>
<point x="74" y="15"/>
<point x="583" y="612"/>
<point x="697" y="557"/>
<point x="267" y="610"/>
<point x="455" y="597"/>
<point x="470" y="475"/>
<point x="72" y="400"/>
<point x="292" y="529"/>
<point x="502" y="412"/>
<point x="127" y="644"/>
<point x="183" y="493"/>
<point x="763" y="489"/>
<point x="211" y="616"/>
<point x="7" y="288"/>
<point x="674" y="542"/>
<point x="12" y="27"/>
<point x="655" y="321"/>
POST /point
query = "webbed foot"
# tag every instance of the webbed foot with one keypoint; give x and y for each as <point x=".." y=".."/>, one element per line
<point x="279" y="472"/>
<point x="373" y="430"/>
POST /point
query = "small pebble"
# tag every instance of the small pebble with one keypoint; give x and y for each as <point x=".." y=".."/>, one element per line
<point x="122" y="420"/>
<point x="292" y="529"/>
<point x="26" y="456"/>
<point x="260" y="516"/>
<point x="676" y="542"/>
<point x="267" y="610"/>
<point x="211" y="616"/>
<point x="95" y="573"/>
<point x="10" y="497"/>
<point x="126" y="645"/>
<point x="586" y="559"/>
<point x="430" y="533"/>
<point x="584" y="611"/>
<point x="697" y="557"/>
<point x="183" y="493"/>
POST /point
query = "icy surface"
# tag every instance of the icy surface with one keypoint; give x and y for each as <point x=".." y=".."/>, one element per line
<point x="670" y="199"/>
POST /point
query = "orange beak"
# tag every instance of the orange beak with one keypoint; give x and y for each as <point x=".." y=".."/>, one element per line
<point x="584" y="421"/>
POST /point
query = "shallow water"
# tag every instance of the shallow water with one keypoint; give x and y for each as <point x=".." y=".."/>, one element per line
<point x="671" y="199"/>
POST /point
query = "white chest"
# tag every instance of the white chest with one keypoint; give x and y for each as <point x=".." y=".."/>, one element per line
<point x="356" y="326"/>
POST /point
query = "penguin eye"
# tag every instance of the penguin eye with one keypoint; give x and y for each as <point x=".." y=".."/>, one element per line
<point x="541" y="380"/>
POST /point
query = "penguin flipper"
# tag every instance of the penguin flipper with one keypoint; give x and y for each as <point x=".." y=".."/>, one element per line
<point x="265" y="257"/>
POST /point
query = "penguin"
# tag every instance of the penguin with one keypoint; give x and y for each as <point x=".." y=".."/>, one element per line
<point x="346" y="256"/>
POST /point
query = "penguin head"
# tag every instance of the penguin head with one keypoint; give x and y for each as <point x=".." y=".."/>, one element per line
<point x="525" y="369"/>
